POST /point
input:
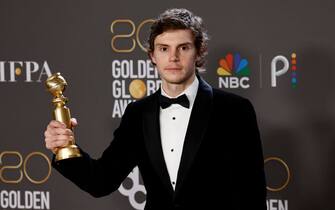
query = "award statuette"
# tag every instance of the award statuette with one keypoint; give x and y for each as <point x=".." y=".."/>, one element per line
<point x="56" y="86"/>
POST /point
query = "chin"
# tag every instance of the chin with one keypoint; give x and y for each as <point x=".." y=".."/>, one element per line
<point x="175" y="81"/>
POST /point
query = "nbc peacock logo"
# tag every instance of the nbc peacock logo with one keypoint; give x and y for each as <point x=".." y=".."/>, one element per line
<point x="233" y="72"/>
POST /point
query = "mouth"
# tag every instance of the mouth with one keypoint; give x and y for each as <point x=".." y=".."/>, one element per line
<point x="173" y="68"/>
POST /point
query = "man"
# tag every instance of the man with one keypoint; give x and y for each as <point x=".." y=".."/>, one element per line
<point x="196" y="147"/>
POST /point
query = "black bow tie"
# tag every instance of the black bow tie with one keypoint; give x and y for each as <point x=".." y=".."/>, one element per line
<point x="166" y="102"/>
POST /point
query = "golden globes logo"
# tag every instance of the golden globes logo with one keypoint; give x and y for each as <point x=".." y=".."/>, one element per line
<point x="30" y="71"/>
<point x="131" y="36"/>
<point x="137" y="88"/>
<point x="132" y="79"/>
<point x="131" y="83"/>
<point x="20" y="168"/>
<point x="278" y="168"/>
<point x="16" y="168"/>
<point x="281" y="163"/>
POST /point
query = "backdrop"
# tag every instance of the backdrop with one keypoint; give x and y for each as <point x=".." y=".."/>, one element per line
<point x="278" y="54"/>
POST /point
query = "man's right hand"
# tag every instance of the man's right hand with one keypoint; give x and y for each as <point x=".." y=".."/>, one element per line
<point x="57" y="135"/>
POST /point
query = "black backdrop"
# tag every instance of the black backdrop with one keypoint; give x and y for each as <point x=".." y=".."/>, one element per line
<point x="96" y="45"/>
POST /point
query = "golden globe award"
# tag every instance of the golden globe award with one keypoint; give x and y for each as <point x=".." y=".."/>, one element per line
<point x="56" y="85"/>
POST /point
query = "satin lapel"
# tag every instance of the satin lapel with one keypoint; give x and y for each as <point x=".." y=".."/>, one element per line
<point x="196" y="129"/>
<point x="153" y="140"/>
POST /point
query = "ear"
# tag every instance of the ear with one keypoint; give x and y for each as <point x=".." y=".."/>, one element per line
<point x="197" y="58"/>
<point x="152" y="57"/>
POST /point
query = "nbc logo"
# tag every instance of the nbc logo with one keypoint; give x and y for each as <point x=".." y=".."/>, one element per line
<point x="233" y="72"/>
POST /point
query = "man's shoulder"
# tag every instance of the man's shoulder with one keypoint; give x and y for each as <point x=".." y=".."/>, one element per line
<point x="145" y="102"/>
<point x="227" y="101"/>
<point x="225" y="96"/>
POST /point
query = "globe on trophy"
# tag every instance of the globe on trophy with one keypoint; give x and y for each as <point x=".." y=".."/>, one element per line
<point x="56" y="85"/>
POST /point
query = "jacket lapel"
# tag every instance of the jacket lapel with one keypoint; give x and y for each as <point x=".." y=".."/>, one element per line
<point x="153" y="140"/>
<point x="196" y="129"/>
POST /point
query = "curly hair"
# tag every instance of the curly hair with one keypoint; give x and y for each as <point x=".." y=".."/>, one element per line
<point x="180" y="19"/>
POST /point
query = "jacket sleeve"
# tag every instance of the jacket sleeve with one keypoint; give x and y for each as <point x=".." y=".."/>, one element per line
<point x="102" y="176"/>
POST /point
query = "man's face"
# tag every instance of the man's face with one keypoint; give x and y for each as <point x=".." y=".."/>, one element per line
<point x="175" y="56"/>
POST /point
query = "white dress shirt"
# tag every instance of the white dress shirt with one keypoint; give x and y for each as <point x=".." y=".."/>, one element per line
<point x="173" y="126"/>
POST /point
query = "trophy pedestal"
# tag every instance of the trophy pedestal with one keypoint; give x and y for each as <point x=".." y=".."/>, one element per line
<point x="69" y="151"/>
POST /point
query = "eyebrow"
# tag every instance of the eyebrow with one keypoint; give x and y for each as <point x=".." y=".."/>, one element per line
<point x="181" y="44"/>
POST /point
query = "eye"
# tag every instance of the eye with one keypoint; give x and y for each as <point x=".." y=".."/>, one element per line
<point x="163" y="49"/>
<point x="184" y="48"/>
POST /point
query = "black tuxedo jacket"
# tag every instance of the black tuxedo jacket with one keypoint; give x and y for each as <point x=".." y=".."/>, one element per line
<point x="221" y="165"/>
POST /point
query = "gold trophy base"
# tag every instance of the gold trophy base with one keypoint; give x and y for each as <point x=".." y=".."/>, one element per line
<point x="70" y="151"/>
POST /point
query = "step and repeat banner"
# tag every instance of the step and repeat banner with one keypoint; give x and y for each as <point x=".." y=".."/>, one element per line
<point x="278" y="54"/>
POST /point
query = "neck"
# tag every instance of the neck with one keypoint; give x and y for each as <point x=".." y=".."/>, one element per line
<point x="174" y="90"/>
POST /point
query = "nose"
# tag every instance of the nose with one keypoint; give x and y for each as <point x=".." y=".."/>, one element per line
<point x="174" y="55"/>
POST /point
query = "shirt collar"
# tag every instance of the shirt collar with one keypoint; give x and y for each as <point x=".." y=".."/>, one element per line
<point x="190" y="91"/>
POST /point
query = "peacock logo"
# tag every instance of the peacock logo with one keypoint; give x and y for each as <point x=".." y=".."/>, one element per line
<point x="233" y="72"/>
<point x="233" y="63"/>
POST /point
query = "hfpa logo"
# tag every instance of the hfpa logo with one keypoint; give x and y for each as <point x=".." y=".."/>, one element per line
<point x="233" y="71"/>
<point x="277" y="72"/>
<point x="31" y="71"/>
